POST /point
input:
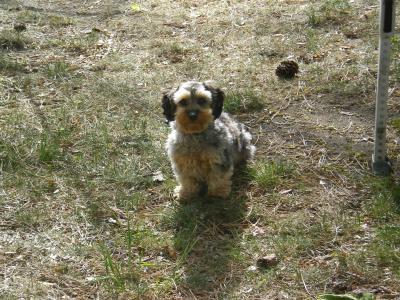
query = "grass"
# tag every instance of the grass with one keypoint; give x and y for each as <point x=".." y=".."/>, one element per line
<point x="386" y="248"/>
<point x="395" y="123"/>
<point x="82" y="138"/>
<point x="29" y="218"/>
<point x="329" y="12"/>
<point x="395" y="41"/>
<point x="80" y="43"/>
<point x="58" y="70"/>
<point x="247" y="101"/>
<point x="10" y="66"/>
<point x="53" y="20"/>
<point x="173" y="52"/>
<point x="381" y="255"/>
<point x="12" y="40"/>
<point x="268" y="175"/>
<point x="57" y="21"/>
<point x="119" y="276"/>
<point x="28" y="16"/>
<point x="49" y="149"/>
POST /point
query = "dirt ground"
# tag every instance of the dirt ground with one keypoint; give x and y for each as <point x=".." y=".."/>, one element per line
<point x="86" y="205"/>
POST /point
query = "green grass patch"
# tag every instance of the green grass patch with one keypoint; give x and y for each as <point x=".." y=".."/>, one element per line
<point x="49" y="148"/>
<point x="30" y="217"/>
<point x="18" y="144"/>
<point x="385" y="205"/>
<point x="58" y="70"/>
<point x="119" y="274"/>
<point x="28" y="16"/>
<point x="385" y="209"/>
<point x="328" y="12"/>
<point x="52" y="145"/>
<point x="270" y="174"/>
<point x="174" y="52"/>
<point x="395" y="69"/>
<point x="395" y="123"/>
<point x="312" y="40"/>
<point x="292" y="238"/>
<point x="382" y="252"/>
<point x="80" y="44"/>
<point x="9" y="158"/>
<point x="386" y="247"/>
<point x="246" y="101"/>
<point x="57" y="21"/>
<point x="9" y="65"/>
<point x="12" y="40"/>
<point x="126" y="262"/>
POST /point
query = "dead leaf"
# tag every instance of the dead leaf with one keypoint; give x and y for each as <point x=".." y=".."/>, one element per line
<point x="284" y="192"/>
<point x="170" y="252"/>
<point x="346" y="113"/>
<point x="158" y="177"/>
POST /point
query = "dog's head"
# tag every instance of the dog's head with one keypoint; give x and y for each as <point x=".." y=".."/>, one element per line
<point x="193" y="105"/>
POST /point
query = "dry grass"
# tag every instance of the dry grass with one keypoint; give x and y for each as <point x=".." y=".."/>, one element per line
<point x="82" y="140"/>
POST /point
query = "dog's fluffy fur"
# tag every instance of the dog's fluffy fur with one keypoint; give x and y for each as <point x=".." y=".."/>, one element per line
<point x="205" y="144"/>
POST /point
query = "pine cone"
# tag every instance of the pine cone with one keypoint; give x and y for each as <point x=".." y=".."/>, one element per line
<point x="19" y="27"/>
<point x="287" y="69"/>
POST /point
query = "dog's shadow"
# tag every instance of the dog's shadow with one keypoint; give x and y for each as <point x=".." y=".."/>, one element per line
<point x="207" y="238"/>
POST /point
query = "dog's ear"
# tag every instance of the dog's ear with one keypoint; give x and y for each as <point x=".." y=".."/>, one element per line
<point x="168" y="106"/>
<point x="217" y="102"/>
<point x="217" y="99"/>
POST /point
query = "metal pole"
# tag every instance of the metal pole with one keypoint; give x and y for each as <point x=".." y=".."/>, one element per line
<point x="380" y="162"/>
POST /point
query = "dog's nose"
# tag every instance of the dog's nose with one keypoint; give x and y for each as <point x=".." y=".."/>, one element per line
<point x="193" y="114"/>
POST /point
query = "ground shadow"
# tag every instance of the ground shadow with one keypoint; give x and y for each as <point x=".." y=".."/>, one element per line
<point x="207" y="238"/>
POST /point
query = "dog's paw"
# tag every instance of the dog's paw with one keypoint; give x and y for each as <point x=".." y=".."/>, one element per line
<point x="176" y="193"/>
<point x="222" y="194"/>
<point x="181" y="195"/>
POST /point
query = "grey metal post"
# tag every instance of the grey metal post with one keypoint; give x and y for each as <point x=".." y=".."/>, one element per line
<point x="380" y="162"/>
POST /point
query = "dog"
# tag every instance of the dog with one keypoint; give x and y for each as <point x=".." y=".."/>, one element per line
<point x="205" y="144"/>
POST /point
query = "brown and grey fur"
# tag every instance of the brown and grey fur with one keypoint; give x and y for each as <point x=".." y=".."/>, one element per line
<point x="205" y="144"/>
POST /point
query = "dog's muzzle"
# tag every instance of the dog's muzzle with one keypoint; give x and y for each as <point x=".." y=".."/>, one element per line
<point x="192" y="114"/>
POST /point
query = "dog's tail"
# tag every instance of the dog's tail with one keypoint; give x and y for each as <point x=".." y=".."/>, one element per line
<point x="246" y="148"/>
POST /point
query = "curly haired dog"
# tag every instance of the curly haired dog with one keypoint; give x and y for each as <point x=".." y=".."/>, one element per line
<point x="205" y="144"/>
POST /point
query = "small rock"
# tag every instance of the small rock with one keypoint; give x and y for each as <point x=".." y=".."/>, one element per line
<point x="252" y="269"/>
<point x="267" y="261"/>
<point x="112" y="221"/>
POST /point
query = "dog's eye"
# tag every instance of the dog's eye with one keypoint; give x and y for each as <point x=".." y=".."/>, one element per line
<point x="201" y="101"/>
<point x="183" y="102"/>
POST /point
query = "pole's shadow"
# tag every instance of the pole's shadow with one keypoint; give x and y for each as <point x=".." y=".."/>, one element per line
<point x="207" y="238"/>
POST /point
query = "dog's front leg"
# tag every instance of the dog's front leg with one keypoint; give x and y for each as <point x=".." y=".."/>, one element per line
<point x="220" y="184"/>
<point x="187" y="189"/>
<point x="220" y="177"/>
